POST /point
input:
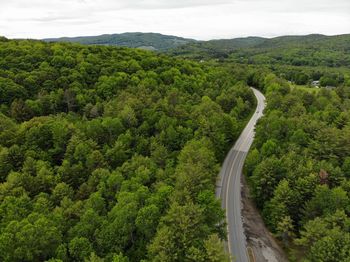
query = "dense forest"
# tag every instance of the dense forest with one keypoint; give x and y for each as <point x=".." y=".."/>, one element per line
<point x="299" y="168"/>
<point x="298" y="59"/>
<point x="112" y="153"/>
<point x="152" y="41"/>
<point x="309" y="50"/>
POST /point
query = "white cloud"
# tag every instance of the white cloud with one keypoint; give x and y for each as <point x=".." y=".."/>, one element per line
<point x="201" y="19"/>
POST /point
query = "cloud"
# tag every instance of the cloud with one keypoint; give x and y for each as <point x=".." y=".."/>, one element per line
<point x="201" y="19"/>
<point x="156" y="4"/>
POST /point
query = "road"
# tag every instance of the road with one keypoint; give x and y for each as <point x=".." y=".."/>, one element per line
<point x="228" y="187"/>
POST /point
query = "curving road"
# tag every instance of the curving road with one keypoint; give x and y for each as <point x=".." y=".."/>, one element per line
<point x="228" y="187"/>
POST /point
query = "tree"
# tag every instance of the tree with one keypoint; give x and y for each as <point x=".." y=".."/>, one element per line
<point x="346" y="167"/>
<point x="5" y="163"/>
<point x="80" y="248"/>
<point x="285" y="230"/>
<point x="120" y="258"/>
<point x="104" y="148"/>
<point x="61" y="191"/>
<point x="328" y="81"/>
<point x="196" y="170"/>
<point x="179" y="231"/>
<point x="69" y="99"/>
<point x="33" y="238"/>
<point x="9" y="91"/>
<point x="327" y="238"/>
<point x="128" y="116"/>
<point x="265" y="178"/>
<point x="279" y="207"/>
<point x="147" y="220"/>
<point x="269" y="148"/>
<point x="252" y="160"/>
<point x="326" y="201"/>
<point x="95" y="160"/>
<point x="215" y="250"/>
<point x="20" y="110"/>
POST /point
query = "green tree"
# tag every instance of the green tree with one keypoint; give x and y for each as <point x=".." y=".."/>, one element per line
<point x="214" y="248"/>
<point x="80" y="248"/>
<point x="33" y="238"/>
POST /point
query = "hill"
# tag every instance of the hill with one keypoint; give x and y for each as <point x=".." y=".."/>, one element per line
<point x="216" y="48"/>
<point x="111" y="154"/>
<point x="150" y="41"/>
<point x="309" y="50"/>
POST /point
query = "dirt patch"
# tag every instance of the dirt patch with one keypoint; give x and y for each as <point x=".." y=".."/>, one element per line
<point x="259" y="238"/>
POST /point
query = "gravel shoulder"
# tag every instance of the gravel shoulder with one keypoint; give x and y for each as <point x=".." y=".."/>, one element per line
<point x="259" y="238"/>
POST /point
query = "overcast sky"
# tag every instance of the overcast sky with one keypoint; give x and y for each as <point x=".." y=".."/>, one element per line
<point x="199" y="19"/>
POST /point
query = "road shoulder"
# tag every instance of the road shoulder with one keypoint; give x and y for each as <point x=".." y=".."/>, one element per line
<point x="259" y="238"/>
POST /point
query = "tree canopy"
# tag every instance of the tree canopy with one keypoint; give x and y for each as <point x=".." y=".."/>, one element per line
<point x="112" y="153"/>
<point x="298" y="168"/>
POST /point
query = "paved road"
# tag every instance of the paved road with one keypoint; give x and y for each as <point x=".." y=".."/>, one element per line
<point x="229" y="185"/>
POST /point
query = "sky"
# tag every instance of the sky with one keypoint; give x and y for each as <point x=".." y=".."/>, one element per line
<point x="198" y="19"/>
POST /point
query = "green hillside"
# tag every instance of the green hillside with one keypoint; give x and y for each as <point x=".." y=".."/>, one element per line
<point x="299" y="168"/>
<point x="215" y="48"/>
<point x="112" y="153"/>
<point x="310" y="50"/>
<point x="151" y="41"/>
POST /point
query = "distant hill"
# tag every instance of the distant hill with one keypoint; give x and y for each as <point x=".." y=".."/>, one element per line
<point x="337" y="41"/>
<point x="308" y="50"/>
<point x="216" y="48"/>
<point x="150" y="41"/>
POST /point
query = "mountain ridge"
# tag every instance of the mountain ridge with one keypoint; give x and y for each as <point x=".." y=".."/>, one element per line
<point x="214" y="48"/>
<point x="151" y="41"/>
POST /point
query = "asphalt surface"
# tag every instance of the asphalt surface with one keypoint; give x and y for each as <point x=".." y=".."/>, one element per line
<point x="228" y="187"/>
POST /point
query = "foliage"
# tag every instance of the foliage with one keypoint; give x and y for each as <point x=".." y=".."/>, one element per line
<point x="298" y="168"/>
<point x="112" y="153"/>
<point x="151" y="41"/>
<point x="308" y="50"/>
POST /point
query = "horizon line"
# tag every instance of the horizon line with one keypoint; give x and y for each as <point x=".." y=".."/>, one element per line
<point x="190" y="38"/>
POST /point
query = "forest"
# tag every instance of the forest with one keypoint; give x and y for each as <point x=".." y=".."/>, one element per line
<point x="111" y="153"/>
<point x="298" y="59"/>
<point x="152" y="41"/>
<point x="299" y="168"/>
<point x="307" y="50"/>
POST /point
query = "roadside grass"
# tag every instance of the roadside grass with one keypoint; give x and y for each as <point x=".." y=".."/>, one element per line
<point x="305" y="88"/>
<point x="251" y="256"/>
